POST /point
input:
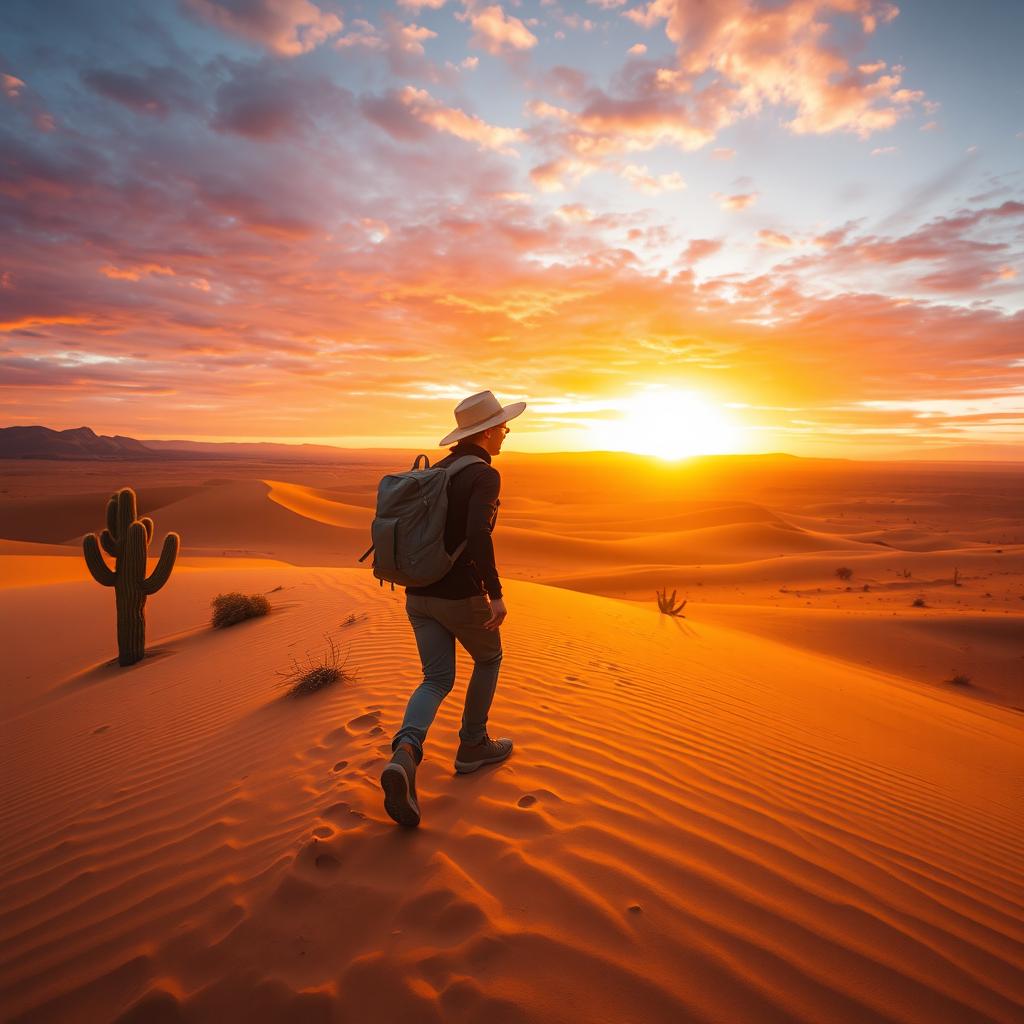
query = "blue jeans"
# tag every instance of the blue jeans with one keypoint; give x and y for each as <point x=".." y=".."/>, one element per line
<point x="438" y="622"/>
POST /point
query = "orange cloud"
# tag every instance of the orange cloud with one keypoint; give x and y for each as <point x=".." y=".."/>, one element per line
<point x="740" y="201"/>
<point x="785" y="56"/>
<point x="575" y="213"/>
<point x="135" y="273"/>
<point x="774" y="239"/>
<point x="497" y="32"/>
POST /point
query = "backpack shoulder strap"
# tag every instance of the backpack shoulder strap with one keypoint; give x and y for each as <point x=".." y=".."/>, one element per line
<point x="460" y="463"/>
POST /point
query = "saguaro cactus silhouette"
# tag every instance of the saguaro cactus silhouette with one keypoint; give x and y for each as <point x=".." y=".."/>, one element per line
<point x="126" y="539"/>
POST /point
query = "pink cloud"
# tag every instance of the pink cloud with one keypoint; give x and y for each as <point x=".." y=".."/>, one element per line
<point x="457" y="122"/>
<point x="411" y="37"/>
<point x="285" y="27"/>
<point x="498" y="32"/>
<point x="958" y="262"/>
<point x="361" y="33"/>
<point x="10" y="86"/>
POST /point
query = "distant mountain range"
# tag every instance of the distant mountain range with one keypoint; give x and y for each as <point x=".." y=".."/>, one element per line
<point x="85" y="443"/>
<point x="80" y="443"/>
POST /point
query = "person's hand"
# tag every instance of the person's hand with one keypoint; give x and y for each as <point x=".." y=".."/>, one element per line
<point x="498" y="613"/>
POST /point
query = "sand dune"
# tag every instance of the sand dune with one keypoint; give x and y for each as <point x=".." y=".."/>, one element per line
<point x="775" y="809"/>
<point x="696" y="825"/>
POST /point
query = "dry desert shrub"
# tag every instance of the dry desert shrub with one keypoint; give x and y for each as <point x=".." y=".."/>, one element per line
<point x="844" y="573"/>
<point x="668" y="606"/>
<point x="918" y="602"/>
<point x="959" y="679"/>
<point x="316" y="672"/>
<point x="229" y="609"/>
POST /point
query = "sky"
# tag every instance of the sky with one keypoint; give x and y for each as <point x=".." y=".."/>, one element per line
<point x="672" y="226"/>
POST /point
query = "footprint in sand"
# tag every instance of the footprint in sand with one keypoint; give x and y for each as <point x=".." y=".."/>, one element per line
<point x="100" y="728"/>
<point x="339" y="766"/>
<point x="323" y="832"/>
<point x="636" y="909"/>
<point x="370" y="721"/>
<point x="526" y="801"/>
<point x="344" y="815"/>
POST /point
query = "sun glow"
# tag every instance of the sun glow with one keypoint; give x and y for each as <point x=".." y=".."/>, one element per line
<point x="669" y="424"/>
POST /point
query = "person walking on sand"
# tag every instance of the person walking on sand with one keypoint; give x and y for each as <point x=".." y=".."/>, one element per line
<point x="464" y="605"/>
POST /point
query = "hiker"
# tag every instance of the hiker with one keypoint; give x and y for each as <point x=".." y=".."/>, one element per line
<point x="466" y="605"/>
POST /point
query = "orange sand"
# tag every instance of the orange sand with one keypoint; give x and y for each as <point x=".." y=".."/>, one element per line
<point x="775" y="809"/>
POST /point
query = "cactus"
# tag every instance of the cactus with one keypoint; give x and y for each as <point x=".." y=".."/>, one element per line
<point x="667" y="605"/>
<point x="126" y="539"/>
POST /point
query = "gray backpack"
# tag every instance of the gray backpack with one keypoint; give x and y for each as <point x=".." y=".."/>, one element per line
<point x="408" y="528"/>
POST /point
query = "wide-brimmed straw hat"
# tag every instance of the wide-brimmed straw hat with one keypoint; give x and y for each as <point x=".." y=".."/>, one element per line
<point x="478" y="412"/>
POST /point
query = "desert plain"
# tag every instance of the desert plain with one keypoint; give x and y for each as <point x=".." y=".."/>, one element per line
<point x="799" y="800"/>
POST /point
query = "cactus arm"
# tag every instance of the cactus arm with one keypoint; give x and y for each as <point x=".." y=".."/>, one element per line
<point x="148" y="524"/>
<point x="158" y="577"/>
<point x="101" y="572"/>
<point x="108" y="544"/>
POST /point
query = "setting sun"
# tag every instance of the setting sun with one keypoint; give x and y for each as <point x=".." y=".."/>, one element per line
<point x="670" y="424"/>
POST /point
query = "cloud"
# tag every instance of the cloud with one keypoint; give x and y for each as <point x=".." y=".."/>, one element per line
<point x="10" y="86"/>
<point x="497" y="32"/>
<point x="135" y="273"/>
<point x="701" y="248"/>
<point x="637" y="49"/>
<point x="723" y="153"/>
<point x="883" y="150"/>
<point x="640" y="178"/>
<point x="155" y="91"/>
<point x="416" y="5"/>
<point x="575" y="213"/>
<point x="942" y="255"/>
<point x="284" y="27"/>
<point x="738" y="201"/>
<point x="788" y="55"/>
<point x="774" y="239"/>
<point x="411" y="37"/>
<point x="361" y="33"/>
<point x="422" y="106"/>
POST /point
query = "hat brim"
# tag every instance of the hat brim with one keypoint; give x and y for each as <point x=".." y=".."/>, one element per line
<point x="508" y="412"/>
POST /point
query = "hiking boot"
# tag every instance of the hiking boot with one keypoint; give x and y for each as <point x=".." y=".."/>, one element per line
<point x="398" y="780"/>
<point x="471" y="756"/>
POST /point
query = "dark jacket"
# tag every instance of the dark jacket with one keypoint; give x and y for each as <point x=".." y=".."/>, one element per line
<point x="472" y="510"/>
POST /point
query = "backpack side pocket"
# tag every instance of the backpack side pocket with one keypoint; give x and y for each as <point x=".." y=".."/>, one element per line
<point x="385" y="544"/>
